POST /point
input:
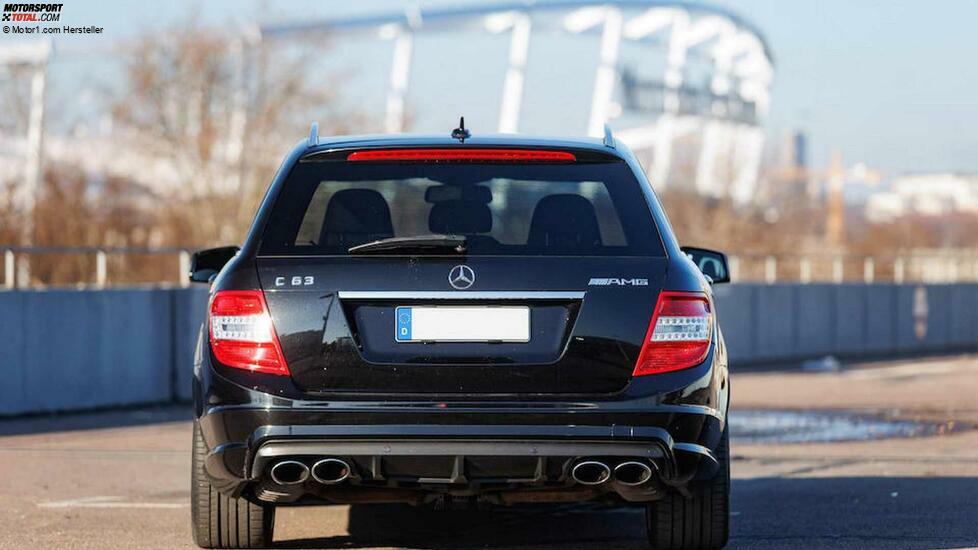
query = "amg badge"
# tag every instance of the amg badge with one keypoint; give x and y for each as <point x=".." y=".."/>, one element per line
<point x="615" y="281"/>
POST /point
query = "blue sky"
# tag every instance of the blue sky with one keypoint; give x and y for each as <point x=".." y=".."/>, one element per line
<point x="890" y="83"/>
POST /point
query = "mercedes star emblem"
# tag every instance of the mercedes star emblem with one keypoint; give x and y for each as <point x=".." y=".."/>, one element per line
<point x="461" y="277"/>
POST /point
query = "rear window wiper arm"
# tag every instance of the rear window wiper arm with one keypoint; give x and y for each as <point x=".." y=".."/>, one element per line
<point x="429" y="244"/>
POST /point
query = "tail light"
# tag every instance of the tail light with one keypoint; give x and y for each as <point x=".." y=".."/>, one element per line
<point x="679" y="335"/>
<point x="461" y="154"/>
<point x="242" y="335"/>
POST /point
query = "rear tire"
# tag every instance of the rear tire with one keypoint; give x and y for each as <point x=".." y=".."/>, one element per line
<point x="699" y="522"/>
<point x="220" y="521"/>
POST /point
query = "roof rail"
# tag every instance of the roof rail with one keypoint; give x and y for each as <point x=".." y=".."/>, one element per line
<point x="314" y="134"/>
<point x="609" y="140"/>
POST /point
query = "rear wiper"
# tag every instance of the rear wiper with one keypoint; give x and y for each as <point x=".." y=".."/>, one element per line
<point x="424" y="244"/>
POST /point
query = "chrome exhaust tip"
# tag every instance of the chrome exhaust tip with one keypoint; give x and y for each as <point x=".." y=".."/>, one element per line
<point x="330" y="471"/>
<point x="289" y="472"/>
<point x="591" y="472"/>
<point x="632" y="473"/>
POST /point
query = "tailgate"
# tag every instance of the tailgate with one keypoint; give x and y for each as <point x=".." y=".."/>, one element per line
<point x="529" y="325"/>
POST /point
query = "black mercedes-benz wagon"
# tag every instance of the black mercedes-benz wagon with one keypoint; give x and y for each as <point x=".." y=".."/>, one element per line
<point x="455" y="321"/>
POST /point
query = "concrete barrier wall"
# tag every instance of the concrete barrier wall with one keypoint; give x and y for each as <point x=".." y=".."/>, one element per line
<point x="73" y="350"/>
<point x="67" y="350"/>
<point x="786" y="322"/>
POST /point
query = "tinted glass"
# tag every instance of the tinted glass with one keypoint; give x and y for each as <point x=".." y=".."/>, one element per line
<point x="530" y="209"/>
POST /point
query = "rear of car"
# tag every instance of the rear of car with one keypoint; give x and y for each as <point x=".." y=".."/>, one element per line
<point x="429" y="321"/>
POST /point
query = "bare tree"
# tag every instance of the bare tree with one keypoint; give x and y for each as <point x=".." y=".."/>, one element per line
<point x="718" y="223"/>
<point x="222" y="110"/>
<point x="207" y="118"/>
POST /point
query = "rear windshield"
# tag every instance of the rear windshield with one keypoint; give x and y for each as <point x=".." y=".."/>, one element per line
<point x="593" y="209"/>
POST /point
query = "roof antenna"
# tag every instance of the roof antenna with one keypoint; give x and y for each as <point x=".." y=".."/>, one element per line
<point x="460" y="133"/>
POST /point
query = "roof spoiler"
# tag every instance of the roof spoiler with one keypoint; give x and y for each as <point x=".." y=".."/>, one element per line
<point x="313" y="135"/>
<point x="609" y="140"/>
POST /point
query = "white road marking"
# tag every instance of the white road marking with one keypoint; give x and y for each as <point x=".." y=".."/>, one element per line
<point x="107" y="502"/>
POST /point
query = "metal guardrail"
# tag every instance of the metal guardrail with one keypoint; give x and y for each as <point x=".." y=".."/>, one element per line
<point x="18" y="273"/>
<point x="930" y="267"/>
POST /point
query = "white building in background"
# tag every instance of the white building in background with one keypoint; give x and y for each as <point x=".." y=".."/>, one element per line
<point x="936" y="194"/>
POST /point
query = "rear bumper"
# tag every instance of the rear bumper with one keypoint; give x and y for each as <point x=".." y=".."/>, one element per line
<point x="391" y="452"/>
<point x="424" y="446"/>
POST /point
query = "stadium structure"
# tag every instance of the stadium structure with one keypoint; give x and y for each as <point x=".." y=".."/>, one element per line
<point x="685" y="85"/>
<point x="690" y="99"/>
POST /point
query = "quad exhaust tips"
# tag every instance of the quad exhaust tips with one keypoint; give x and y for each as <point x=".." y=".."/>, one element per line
<point x="289" y="472"/>
<point x="591" y="472"/>
<point x="330" y="471"/>
<point x="632" y="473"/>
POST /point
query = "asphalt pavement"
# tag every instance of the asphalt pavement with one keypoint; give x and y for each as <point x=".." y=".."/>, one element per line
<point x="119" y="479"/>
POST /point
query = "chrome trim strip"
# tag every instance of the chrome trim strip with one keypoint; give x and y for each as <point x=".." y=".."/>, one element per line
<point x="458" y="295"/>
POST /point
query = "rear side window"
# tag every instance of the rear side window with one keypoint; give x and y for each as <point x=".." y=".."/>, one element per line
<point x="592" y="209"/>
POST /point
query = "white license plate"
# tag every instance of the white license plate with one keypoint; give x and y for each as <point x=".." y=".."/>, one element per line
<point x="462" y="324"/>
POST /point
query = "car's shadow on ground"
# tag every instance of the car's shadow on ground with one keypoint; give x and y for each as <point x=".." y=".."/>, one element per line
<point x="566" y="526"/>
<point x="831" y="512"/>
